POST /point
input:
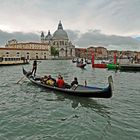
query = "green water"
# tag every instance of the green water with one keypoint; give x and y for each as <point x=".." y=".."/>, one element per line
<point x="28" y="112"/>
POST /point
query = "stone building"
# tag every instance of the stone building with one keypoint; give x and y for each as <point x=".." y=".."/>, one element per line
<point x="81" y="52"/>
<point x="99" y="52"/>
<point x="30" y="50"/>
<point x="60" y="41"/>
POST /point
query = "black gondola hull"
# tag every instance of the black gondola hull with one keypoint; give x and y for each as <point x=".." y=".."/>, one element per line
<point x="81" y="91"/>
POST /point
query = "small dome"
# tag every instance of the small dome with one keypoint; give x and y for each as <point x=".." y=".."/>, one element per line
<point x="48" y="36"/>
<point x="60" y="34"/>
<point x="42" y="34"/>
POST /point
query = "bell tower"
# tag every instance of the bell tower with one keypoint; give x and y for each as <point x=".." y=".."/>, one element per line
<point x="42" y="37"/>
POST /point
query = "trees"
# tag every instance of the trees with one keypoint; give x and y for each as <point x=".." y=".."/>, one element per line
<point x="54" y="51"/>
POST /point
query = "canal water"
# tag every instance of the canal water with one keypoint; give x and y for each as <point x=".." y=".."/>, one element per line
<point x="28" y="112"/>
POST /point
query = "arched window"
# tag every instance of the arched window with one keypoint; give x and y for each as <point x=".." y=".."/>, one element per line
<point x="62" y="42"/>
<point x="18" y="54"/>
<point x="7" y="54"/>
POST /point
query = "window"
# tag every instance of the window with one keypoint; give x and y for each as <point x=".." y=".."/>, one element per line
<point x="18" y="54"/>
<point x="1" y="59"/>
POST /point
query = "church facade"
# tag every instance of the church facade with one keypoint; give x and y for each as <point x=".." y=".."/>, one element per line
<point x="60" y="41"/>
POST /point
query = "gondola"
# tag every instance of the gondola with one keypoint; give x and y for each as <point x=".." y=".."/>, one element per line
<point x="80" y="65"/>
<point x="74" y="61"/>
<point x="79" y="90"/>
<point x="87" y="62"/>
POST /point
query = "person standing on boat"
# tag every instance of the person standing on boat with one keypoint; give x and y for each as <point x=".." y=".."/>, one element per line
<point x="34" y="67"/>
<point x="81" y="61"/>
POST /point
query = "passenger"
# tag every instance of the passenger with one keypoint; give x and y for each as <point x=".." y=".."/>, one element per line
<point x="75" y="81"/>
<point x="50" y="81"/>
<point x="60" y="82"/>
<point x="44" y="79"/>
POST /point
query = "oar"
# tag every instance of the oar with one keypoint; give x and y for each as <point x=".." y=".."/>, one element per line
<point x="20" y="79"/>
<point x="23" y="80"/>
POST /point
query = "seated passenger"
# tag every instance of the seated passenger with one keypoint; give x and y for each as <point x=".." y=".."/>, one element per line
<point x="75" y="81"/>
<point x="50" y="81"/>
<point x="60" y="82"/>
<point x="49" y="77"/>
<point x="44" y="79"/>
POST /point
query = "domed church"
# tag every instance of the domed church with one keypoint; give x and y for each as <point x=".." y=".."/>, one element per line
<point x="60" y="41"/>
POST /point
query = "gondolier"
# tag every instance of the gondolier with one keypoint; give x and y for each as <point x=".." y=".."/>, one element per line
<point x="34" y="67"/>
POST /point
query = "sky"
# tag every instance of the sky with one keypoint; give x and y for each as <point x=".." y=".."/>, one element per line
<point x="114" y="24"/>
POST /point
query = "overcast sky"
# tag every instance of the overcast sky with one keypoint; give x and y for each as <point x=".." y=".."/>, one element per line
<point x="110" y="23"/>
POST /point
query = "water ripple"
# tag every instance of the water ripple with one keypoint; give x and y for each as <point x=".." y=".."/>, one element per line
<point x="28" y="112"/>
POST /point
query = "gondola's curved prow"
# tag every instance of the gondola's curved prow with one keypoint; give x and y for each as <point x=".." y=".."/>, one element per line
<point x="82" y="91"/>
<point x="110" y="81"/>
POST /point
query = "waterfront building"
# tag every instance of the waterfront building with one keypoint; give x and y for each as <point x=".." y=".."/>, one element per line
<point x="29" y="50"/>
<point x="60" y="41"/>
<point x="80" y="52"/>
<point x="99" y="52"/>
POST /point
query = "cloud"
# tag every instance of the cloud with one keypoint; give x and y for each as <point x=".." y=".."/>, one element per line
<point x="119" y="17"/>
<point x="19" y="36"/>
<point x="96" y="38"/>
<point x="90" y="38"/>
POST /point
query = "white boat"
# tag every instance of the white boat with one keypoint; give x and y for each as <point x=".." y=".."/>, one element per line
<point x="106" y="61"/>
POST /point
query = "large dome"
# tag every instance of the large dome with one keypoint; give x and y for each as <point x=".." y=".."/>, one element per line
<point x="60" y="34"/>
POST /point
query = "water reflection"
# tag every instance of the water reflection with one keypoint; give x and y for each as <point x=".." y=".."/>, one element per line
<point x="77" y="102"/>
<point x="90" y="105"/>
<point x="86" y="103"/>
<point x="81" y="105"/>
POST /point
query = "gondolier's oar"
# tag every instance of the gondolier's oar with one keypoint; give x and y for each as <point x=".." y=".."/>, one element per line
<point x="21" y="79"/>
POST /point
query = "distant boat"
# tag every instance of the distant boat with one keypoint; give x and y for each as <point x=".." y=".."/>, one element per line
<point x="88" y="61"/>
<point x="8" y="61"/>
<point x="106" y="61"/>
<point x="80" y="65"/>
<point x="112" y="66"/>
<point x="129" y="67"/>
<point x="74" y="60"/>
<point x="97" y="65"/>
